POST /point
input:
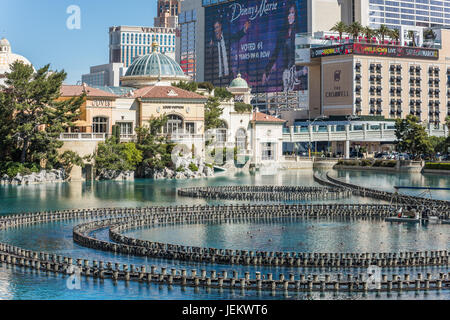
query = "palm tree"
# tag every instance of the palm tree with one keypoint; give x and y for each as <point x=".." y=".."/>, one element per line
<point x="429" y="34"/>
<point x="368" y="33"/>
<point x="447" y="122"/>
<point x="382" y="32"/>
<point x="355" y="30"/>
<point x="411" y="36"/>
<point x="395" y="34"/>
<point x="340" y="27"/>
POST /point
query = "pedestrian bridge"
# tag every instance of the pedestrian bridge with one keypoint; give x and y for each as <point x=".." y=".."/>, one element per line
<point x="361" y="132"/>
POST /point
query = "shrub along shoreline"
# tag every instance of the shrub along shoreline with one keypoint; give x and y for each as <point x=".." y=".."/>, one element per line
<point x="444" y="166"/>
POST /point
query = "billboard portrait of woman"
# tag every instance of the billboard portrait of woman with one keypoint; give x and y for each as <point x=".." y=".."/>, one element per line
<point x="282" y="58"/>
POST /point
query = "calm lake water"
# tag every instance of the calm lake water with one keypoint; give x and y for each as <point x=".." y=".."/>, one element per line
<point x="321" y="235"/>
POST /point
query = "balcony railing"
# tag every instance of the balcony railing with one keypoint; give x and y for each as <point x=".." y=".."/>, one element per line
<point x="93" y="136"/>
<point x="184" y="136"/>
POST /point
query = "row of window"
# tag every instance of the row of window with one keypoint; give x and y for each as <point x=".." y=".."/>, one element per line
<point x="147" y="38"/>
<point x="129" y="53"/>
<point x="175" y="124"/>
<point x="375" y="104"/>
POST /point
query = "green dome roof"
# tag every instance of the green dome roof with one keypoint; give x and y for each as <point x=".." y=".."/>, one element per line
<point x="239" y="82"/>
<point x="155" y="64"/>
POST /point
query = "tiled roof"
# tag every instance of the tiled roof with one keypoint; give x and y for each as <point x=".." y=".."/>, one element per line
<point x="262" y="117"/>
<point x="166" y="92"/>
<point x="75" y="91"/>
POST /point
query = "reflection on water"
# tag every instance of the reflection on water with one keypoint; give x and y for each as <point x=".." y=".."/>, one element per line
<point x="388" y="180"/>
<point x="325" y="236"/>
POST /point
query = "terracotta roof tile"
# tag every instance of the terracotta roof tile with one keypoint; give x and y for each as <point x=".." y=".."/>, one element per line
<point x="74" y="91"/>
<point x="166" y="92"/>
<point x="262" y="117"/>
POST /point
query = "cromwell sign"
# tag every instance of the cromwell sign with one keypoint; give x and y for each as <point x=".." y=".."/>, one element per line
<point x="395" y="51"/>
<point x="337" y="84"/>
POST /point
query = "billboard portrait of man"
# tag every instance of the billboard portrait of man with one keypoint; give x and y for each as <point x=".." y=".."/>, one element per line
<point x="219" y="49"/>
<point x="256" y="39"/>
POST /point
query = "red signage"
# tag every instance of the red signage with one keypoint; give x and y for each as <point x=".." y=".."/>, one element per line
<point x="376" y="50"/>
<point x="395" y="51"/>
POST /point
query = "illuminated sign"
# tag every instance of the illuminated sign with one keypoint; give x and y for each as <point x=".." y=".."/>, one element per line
<point x="376" y="50"/>
<point x="173" y="107"/>
<point x="256" y="38"/>
<point x="395" y="51"/>
<point x="337" y="84"/>
<point x="332" y="51"/>
<point x="99" y="103"/>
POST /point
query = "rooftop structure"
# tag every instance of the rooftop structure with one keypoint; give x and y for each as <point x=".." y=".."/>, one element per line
<point x="153" y="69"/>
<point x="7" y="57"/>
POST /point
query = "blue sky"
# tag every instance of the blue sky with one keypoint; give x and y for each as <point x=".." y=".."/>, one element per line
<point x="37" y="30"/>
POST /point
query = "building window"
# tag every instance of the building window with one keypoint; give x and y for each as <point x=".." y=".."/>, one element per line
<point x="174" y="124"/>
<point x="241" y="139"/>
<point x="126" y="128"/>
<point x="190" y="127"/>
<point x="221" y="135"/>
<point x="100" y="125"/>
<point x="268" y="151"/>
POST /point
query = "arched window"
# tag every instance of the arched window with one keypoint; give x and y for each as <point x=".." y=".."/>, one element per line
<point x="221" y="133"/>
<point x="241" y="139"/>
<point x="174" y="124"/>
<point x="100" y="125"/>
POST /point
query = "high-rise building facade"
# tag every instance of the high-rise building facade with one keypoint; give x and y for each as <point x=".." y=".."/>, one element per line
<point x="187" y="54"/>
<point x="406" y="13"/>
<point x="126" y="43"/>
<point x="417" y="13"/>
<point x="104" y="75"/>
<point x="167" y="16"/>
<point x="250" y="30"/>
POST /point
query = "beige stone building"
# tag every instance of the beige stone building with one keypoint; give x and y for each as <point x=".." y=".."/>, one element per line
<point x="366" y="79"/>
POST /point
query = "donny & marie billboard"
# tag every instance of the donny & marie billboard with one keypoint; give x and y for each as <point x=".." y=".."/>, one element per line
<point x="255" y="38"/>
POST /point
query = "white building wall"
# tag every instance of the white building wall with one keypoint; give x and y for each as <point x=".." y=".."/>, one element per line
<point x="323" y="14"/>
<point x="235" y="121"/>
<point x="125" y="111"/>
<point x="264" y="133"/>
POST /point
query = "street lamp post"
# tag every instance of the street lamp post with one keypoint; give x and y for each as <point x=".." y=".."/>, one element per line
<point x="321" y="118"/>
<point x="349" y="118"/>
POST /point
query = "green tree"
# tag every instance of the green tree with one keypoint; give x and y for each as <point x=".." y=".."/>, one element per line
<point x="412" y="137"/>
<point x="188" y="86"/>
<point x="241" y="107"/>
<point x="340" y="27"/>
<point x="368" y="33"/>
<point x="206" y="85"/>
<point x="395" y="34"/>
<point x="31" y="120"/>
<point x="439" y="144"/>
<point x="213" y="113"/>
<point x="156" y="148"/>
<point x="429" y="34"/>
<point x="382" y="32"/>
<point x="411" y="35"/>
<point x="355" y="30"/>
<point x="70" y="158"/>
<point x="222" y="94"/>
<point x="113" y="155"/>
